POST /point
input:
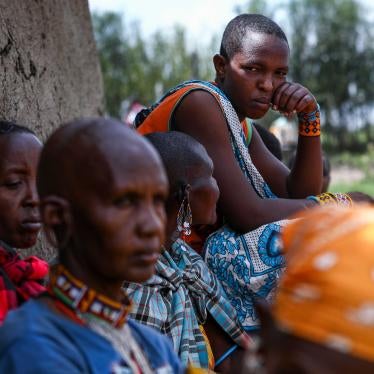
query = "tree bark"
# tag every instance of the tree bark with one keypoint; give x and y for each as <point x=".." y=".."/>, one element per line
<point x="49" y="68"/>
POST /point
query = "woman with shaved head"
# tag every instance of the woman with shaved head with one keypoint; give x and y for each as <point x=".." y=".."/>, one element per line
<point x="102" y="190"/>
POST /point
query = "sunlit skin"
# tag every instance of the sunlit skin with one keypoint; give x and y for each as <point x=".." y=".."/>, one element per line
<point x="113" y="220"/>
<point x="19" y="214"/>
<point x="203" y="194"/>
<point x="254" y="79"/>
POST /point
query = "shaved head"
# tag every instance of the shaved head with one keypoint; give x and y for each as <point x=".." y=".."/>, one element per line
<point x="180" y="153"/>
<point x="82" y="154"/>
<point x="102" y="189"/>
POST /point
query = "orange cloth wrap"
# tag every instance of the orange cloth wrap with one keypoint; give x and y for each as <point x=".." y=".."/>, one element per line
<point x="327" y="292"/>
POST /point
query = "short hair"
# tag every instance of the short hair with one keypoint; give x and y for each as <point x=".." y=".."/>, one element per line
<point x="270" y="140"/>
<point x="178" y="152"/>
<point x="238" y="27"/>
<point x="9" y="127"/>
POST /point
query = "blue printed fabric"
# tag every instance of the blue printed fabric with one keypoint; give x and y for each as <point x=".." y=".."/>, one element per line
<point x="246" y="271"/>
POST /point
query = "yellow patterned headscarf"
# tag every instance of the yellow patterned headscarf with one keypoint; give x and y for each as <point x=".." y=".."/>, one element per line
<point x="327" y="292"/>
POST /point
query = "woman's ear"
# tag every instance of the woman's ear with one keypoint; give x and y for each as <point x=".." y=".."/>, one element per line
<point x="182" y="192"/>
<point x="220" y="66"/>
<point x="57" y="220"/>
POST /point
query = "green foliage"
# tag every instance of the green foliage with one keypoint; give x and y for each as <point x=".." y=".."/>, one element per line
<point x="142" y="69"/>
<point x="112" y="48"/>
<point x="363" y="162"/>
<point x="365" y="186"/>
<point x="332" y="53"/>
<point x="258" y="7"/>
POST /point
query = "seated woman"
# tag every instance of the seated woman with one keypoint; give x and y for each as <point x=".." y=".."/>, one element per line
<point x="19" y="216"/>
<point x="108" y="226"/>
<point x="258" y="192"/>
<point x="322" y="319"/>
<point x="184" y="299"/>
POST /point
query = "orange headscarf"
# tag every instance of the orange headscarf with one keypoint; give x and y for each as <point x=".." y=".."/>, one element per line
<point x="327" y="292"/>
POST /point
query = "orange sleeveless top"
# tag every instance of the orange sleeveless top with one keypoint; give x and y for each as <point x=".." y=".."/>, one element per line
<point x="160" y="119"/>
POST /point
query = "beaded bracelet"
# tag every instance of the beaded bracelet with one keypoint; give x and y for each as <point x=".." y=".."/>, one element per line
<point x="328" y="198"/>
<point x="310" y="123"/>
<point x="313" y="198"/>
<point x="343" y="199"/>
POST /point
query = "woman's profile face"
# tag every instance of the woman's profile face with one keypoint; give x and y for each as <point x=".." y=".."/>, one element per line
<point x="203" y="192"/>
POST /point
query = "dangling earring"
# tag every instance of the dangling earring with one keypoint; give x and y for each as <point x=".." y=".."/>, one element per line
<point x="184" y="217"/>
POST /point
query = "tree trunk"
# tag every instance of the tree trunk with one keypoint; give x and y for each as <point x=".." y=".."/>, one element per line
<point x="49" y="68"/>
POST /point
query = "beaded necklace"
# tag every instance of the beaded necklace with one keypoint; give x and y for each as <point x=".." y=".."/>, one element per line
<point x="84" y="300"/>
<point x="101" y="314"/>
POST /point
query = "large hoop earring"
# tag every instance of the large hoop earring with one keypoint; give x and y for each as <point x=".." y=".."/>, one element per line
<point x="184" y="216"/>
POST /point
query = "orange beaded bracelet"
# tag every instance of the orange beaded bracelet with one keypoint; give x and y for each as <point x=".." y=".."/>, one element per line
<point x="328" y="198"/>
<point x="310" y="123"/>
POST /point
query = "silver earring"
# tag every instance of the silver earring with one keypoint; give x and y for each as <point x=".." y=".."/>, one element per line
<point x="184" y="217"/>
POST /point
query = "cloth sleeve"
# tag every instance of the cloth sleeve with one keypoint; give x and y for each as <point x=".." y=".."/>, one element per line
<point x="38" y="356"/>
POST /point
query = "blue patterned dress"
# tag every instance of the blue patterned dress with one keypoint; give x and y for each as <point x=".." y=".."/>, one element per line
<point x="248" y="265"/>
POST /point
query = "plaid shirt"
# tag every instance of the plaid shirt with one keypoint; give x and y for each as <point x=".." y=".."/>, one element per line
<point x="177" y="299"/>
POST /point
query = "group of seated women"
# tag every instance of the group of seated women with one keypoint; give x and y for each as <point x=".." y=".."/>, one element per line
<point x="192" y="247"/>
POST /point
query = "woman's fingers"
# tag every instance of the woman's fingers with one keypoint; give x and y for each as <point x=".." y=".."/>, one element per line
<point x="292" y="98"/>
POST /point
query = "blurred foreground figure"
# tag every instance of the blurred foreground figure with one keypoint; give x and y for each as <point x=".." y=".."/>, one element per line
<point x="322" y="319"/>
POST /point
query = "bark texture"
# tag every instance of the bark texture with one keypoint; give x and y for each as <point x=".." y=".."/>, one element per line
<point x="49" y="67"/>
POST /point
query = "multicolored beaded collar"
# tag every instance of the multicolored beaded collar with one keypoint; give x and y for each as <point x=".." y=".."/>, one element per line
<point x="86" y="302"/>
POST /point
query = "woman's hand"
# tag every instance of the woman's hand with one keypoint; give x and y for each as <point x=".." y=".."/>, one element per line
<point x="293" y="98"/>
